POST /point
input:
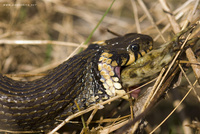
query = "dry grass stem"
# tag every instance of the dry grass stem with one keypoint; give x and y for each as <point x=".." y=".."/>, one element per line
<point x="150" y="18"/>
<point x="189" y="82"/>
<point x="39" y="42"/>
<point x="113" y="127"/>
<point x="135" y="11"/>
<point x="173" y="109"/>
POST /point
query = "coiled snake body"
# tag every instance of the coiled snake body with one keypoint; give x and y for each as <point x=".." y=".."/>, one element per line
<point x="87" y="78"/>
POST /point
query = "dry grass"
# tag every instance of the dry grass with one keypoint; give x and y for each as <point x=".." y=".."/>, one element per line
<point x="36" y="36"/>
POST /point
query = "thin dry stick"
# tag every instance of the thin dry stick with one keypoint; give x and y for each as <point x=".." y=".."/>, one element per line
<point x="89" y="119"/>
<point x="113" y="128"/>
<point x="196" y="32"/>
<point x="19" y="132"/>
<point x="196" y="68"/>
<point x="39" y="42"/>
<point x="173" y="110"/>
<point x="143" y="17"/>
<point x="131" y="104"/>
<point x="155" y="90"/>
<point x="135" y="11"/>
<point x="189" y="53"/>
<point x="196" y="6"/>
<point x="183" y="6"/>
<point x="111" y="120"/>
<point x="171" y="18"/>
<point x="177" y="17"/>
<point x="188" y="62"/>
<point x="189" y="82"/>
<point x="91" y="116"/>
<point x="82" y="119"/>
<point x="150" y="18"/>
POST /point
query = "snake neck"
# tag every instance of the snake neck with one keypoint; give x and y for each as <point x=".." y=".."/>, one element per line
<point x="36" y="105"/>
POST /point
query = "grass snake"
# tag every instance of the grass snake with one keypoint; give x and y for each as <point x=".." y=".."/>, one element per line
<point x="87" y="78"/>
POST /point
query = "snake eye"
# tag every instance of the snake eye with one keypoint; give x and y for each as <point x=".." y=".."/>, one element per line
<point x="134" y="47"/>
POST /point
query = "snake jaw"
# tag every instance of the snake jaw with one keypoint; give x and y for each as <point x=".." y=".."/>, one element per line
<point x="110" y="78"/>
<point x="110" y="74"/>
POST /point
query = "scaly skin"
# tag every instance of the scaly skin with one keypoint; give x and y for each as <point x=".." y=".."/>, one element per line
<point x="87" y="78"/>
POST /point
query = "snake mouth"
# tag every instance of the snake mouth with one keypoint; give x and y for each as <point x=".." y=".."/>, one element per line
<point x="110" y="77"/>
<point x="110" y="73"/>
<point x="135" y="92"/>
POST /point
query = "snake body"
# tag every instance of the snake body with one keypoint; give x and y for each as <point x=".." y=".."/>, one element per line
<point x="86" y="78"/>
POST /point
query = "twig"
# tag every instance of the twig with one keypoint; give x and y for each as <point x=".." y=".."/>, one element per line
<point x="150" y="18"/>
<point x="111" y="129"/>
<point x="173" y="110"/>
<point x="135" y="11"/>
<point x="189" y="82"/>
<point x="38" y="42"/>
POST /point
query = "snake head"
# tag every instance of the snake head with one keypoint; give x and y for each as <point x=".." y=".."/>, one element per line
<point x="118" y="53"/>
